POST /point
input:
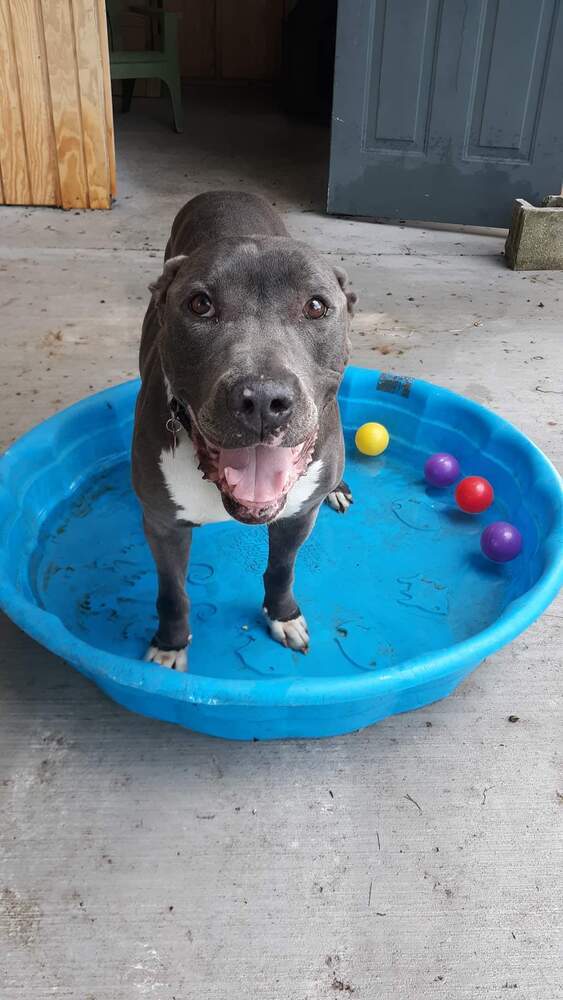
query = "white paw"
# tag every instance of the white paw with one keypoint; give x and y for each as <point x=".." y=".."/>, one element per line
<point x="174" y="659"/>
<point x="294" y="633"/>
<point x="339" y="501"/>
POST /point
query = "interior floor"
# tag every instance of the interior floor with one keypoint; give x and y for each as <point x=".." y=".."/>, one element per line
<point x="416" y="858"/>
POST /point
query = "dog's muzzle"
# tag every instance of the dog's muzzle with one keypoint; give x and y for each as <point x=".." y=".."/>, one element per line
<point x="254" y="481"/>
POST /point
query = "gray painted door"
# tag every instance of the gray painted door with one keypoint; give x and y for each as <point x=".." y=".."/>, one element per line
<point x="446" y="110"/>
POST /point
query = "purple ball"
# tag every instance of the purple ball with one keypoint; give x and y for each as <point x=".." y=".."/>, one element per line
<point x="441" y="469"/>
<point x="501" y="542"/>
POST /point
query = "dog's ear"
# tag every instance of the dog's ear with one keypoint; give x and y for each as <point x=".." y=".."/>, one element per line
<point x="159" y="288"/>
<point x="351" y="297"/>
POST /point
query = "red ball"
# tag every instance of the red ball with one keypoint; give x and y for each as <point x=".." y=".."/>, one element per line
<point x="474" y="494"/>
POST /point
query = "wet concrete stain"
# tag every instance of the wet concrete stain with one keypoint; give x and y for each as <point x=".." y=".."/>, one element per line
<point x="22" y="916"/>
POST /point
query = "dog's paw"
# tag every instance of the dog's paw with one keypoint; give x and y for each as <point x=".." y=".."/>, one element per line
<point x="340" y="499"/>
<point x="293" y="634"/>
<point x="173" y="659"/>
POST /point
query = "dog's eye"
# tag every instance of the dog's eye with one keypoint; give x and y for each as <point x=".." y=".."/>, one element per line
<point x="201" y="305"/>
<point x="315" y="309"/>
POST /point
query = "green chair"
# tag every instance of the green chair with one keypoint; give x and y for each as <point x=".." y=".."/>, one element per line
<point x="156" y="63"/>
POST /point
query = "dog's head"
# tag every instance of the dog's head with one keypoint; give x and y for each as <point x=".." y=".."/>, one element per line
<point x="253" y="342"/>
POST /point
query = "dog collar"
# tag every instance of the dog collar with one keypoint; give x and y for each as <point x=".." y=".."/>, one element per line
<point x="179" y="412"/>
<point x="179" y="417"/>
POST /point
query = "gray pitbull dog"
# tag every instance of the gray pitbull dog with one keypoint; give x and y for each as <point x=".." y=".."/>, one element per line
<point x="243" y="348"/>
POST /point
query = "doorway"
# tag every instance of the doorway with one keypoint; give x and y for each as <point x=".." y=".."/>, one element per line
<point x="257" y="94"/>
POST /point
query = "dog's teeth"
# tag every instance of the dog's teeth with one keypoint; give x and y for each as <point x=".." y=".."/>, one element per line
<point x="233" y="476"/>
<point x="279" y="481"/>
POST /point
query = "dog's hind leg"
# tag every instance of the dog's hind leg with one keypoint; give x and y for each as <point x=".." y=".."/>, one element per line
<point x="340" y="499"/>
<point x="170" y="546"/>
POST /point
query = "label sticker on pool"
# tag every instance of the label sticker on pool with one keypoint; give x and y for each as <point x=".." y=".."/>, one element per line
<point x="400" y="384"/>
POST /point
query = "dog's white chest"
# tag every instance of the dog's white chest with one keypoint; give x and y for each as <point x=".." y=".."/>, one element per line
<point x="303" y="489"/>
<point x="199" y="500"/>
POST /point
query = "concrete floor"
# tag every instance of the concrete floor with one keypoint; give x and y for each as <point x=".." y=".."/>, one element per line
<point x="418" y="859"/>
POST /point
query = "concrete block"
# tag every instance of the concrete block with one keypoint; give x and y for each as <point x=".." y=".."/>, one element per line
<point x="535" y="238"/>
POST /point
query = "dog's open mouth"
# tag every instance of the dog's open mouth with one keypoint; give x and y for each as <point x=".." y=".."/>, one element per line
<point x="255" y="481"/>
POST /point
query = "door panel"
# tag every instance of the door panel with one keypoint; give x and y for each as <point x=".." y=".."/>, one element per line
<point x="446" y="109"/>
<point x="510" y="56"/>
<point x="400" y="90"/>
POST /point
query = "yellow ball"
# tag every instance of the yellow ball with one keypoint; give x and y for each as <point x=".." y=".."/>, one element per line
<point x="372" y="439"/>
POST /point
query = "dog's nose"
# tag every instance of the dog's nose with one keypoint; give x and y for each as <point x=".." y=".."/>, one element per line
<point x="261" y="405"/>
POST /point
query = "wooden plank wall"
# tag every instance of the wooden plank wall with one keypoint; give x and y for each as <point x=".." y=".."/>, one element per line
<point x="248" y="39"/>
<point x="56" y="122"/>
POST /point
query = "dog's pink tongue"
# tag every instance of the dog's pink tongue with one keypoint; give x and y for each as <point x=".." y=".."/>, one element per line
<point x="256" y="475"/>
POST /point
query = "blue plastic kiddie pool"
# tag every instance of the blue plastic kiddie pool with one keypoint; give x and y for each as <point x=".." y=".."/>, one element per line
<point x="400" y="601"/>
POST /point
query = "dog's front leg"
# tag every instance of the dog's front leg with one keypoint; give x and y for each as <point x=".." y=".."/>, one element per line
<point x="170" y="546"/>
<point x="287" y="624"/>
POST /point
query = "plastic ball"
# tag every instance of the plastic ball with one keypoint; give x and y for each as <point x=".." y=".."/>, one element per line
<point x="501" y="542"/>
<point x="441" y="469"/>
<point x="474" y="494"/>
<point x="372" y="439"/>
